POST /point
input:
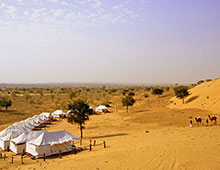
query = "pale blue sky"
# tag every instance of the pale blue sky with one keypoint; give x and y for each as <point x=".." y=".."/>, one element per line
<point x="121" y="41"/>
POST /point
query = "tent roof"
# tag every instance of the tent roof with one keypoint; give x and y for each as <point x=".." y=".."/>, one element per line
<point x="53" y="138"/>
<point x="27" y="136"/>
<point x="13" y="134"/>
<point x="59" y="112"/>
<point x="101" y="107"/>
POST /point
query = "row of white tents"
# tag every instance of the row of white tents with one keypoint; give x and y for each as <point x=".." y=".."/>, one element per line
<point x="21" y="138"/>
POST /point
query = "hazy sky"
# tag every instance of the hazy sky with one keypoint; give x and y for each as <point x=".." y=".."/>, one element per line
<point x="110" y="41"/>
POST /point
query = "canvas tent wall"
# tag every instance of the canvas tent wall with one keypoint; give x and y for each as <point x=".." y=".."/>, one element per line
<point x="59" y="113"/>
<point x="18" y="144"/>
<point x="50" y="143"/>
<point x="5" y="141"/>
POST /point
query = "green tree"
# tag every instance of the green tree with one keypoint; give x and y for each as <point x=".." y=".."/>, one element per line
<point x="79" y="114"/>
<point x="4" y="102"/>
<point x="157" y="91"/>
<point x="128" y="101"/>
<point x="181" y="92"/>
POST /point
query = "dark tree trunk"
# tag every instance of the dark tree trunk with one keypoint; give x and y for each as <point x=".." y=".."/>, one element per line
<point x="126" y="109"/>
<point x="81" y="130"/>
<point x="183" y="100"/>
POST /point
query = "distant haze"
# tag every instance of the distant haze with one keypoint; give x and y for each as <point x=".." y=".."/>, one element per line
<point x="103" y="41"/>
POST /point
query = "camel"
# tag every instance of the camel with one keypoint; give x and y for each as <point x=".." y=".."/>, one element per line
<point x="213" y="118"/>
<point x="198" y="120"/>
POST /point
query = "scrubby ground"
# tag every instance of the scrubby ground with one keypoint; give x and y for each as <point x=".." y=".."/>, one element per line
<point x="150" y="136"/>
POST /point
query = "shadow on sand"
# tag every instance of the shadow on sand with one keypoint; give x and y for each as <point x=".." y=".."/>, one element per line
<point x="108" y="136"/>
<point x="139" y="111"/>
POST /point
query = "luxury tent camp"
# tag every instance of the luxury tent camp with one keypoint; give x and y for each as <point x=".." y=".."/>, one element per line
<point x="59" y="113"/>
<point x="50" y="143"/>
<point x="5" y="141"/>
<point x="101" y="109"/>
<point x="18" y="144"/>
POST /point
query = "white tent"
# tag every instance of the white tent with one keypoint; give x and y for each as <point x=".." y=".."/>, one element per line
<point x="38" y="119"/>
<point x="47" y="115"/>
<point x="59" y="113"/>
<point x="33" y="122"/>
<point x="5" y="141"/>
<point x="50" y="143"/>
<point x="18" y="144"/>
<point x="101" y="109"/>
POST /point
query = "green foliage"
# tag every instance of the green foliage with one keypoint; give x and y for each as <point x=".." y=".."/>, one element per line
<point x="128" y="101"/>
<point x="181" y="92"/>
<point x="147" y="89"/>
<point x="79" y="113"/>
<point x="200" y="81"/>
<point x="4" y="102"/>
<point x="157" y="91"/>
<point x="130" y="93"/>
<point x="124" y="91"/>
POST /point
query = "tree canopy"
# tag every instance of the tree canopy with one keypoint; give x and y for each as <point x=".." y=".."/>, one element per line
<point x="181" y="92"/>
<point x="157" y="91"/>
<point x="79" y="113"/>
<point x="4" y="102"/>
<point x="128" y="101"/>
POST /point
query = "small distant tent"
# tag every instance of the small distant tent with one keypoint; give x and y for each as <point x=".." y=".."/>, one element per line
<point x="102" y="109"/>
<point x="50" y="143"/>
<point x="5" y="141"/>
<point x="18" y="144"/>
<point x="59" y="113"/>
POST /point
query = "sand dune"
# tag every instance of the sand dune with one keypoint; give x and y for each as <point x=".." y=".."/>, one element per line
<point x="205" y="96"/>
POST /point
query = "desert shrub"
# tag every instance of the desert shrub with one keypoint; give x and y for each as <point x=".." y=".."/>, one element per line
<point x="146" y="95"/>
<point x="147" y="89"/>
<point x="124" y="92"/>
<point x="72" y="94"/>
<point x="200" y="81"/>
<point x="4" y="102"/>
<point x="157" y="91"/>
<point x="207" y="80"/>
<point x="40" y="102"/>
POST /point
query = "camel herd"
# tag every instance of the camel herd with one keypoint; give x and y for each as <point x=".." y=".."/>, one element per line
<point x="212" y="118"/>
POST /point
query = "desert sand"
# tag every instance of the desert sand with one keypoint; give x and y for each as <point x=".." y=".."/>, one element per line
<point x="150" y="137"/>
<point x="205" y="96"/>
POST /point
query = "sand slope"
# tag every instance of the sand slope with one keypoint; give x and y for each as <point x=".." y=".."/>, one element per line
<point x="205" y="96"/>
